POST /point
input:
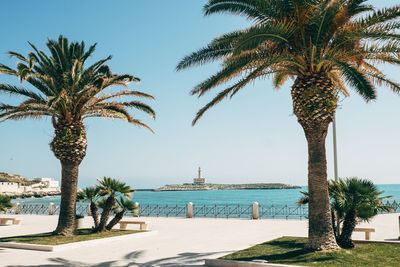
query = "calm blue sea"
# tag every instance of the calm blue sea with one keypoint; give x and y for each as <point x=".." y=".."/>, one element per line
<point x="230" y="197"/>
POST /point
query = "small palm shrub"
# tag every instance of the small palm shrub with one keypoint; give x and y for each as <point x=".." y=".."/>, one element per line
<point x="352" y="200"/>
<point x="110" y="196"/>
<point x="5" y="203"/>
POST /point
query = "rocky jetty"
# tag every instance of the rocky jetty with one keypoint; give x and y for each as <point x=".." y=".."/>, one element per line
<point x="209" y="186"/>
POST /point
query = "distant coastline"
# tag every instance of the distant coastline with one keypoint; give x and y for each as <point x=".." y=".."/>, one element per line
<point x="209" y="186"/>
<point x="17" y="186"/>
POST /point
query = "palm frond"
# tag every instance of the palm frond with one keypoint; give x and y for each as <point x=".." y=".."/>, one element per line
<point x="217" y="49"/>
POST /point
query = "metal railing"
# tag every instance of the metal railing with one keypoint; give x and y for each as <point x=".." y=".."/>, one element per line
<point x="162" y="211"/>
<point x="283" y="212"/>
<point x="192" y="210"/>
<point x="222" y="211"/>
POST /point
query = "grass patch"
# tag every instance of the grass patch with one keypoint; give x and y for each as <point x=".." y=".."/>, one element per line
<point x="290" y="250"/>
<point x="50" y="239"/>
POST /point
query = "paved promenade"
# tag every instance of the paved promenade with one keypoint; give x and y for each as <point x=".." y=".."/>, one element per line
<point x="179" y="241"/>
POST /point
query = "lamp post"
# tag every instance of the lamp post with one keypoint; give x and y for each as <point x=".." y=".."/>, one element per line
<point x="334" y="148"/>
<point x="335" y="167"/>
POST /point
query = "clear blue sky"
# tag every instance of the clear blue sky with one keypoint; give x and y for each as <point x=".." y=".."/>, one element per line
<point x="251" y="138"/>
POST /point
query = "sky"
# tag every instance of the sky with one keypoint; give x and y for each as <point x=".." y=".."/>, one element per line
<point x="253" y="137"/>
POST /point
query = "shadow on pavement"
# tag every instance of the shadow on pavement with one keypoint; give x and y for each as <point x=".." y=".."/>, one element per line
<point x="129" y="260"/>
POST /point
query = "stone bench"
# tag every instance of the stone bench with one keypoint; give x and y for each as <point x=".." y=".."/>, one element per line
<point x="123" y="224"/>
<point x="3" y="221"/>
<point x="367" y="231"/>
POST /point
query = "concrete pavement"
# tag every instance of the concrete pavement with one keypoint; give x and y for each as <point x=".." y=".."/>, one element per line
<point x="179" y="242"/>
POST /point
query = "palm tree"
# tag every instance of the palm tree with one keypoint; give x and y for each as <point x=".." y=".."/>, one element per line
<point x="124" y="205"/>
<point x="5" y="203"/>
<point x="324" y="46"/>
<point x="91" y="194"/>
<point x="355" y="200"/>
<point x="109" y="189"/>
<point x="352" y="200"/>
<point x="69" y="92"/>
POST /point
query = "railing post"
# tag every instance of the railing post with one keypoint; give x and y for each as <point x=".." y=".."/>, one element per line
<point x="89" y="211"/>
<point x="51" y="208"/>
<point x="256" y="213"/>
<point x="190" y="210"/>
<point x="17" y="208"/>
<point x="136" y="211"/>
<point x="399" y="227"/>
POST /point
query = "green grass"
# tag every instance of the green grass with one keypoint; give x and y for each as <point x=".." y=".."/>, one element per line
<point x="50" y="239"/>
<point x="290" y="250"/>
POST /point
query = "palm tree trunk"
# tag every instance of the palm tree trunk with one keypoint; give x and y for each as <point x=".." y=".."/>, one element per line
<point x="69" y="183"/>
<point x="95" y="214"/>
<point x="110" y="202"/>
<point x="115" y="220"/>
<point x="69" y="146"/>
<point x="314" y="104"/>
<point x="349" y="224"/>
<point x="320" y="232"/>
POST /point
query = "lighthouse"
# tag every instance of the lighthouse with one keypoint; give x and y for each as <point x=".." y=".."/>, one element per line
<point x="199" y="180"/>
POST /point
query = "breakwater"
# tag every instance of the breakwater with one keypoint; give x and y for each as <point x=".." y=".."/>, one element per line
<point x="210" y="186"/>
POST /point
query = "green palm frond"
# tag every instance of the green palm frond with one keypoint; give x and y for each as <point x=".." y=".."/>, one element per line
<point x="5" y="203"/>
<point x="345" y="40"/>
<point x="357" y="80"/>
<point x="378" y="17"/>
<point x="90" y="194"/>
<point x="261" y="34"/>
<point x="218" y="48"/>
<point x="67" y="89"/>
<point x="252" y="9"/>
<point x="112" y="187"/>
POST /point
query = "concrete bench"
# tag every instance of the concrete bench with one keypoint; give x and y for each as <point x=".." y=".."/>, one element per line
<point x="3" y="221"/>
<point x="123" y="224"/>
<point x="367" y="231"/>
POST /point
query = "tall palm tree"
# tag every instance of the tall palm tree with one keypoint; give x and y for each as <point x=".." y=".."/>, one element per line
<point x="69" y="92"/>
<point x="110" y="189"/>
<point x="323" y="46"/>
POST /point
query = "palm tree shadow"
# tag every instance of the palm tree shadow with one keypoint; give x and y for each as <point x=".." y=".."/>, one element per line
<point x="130" y="260"/>
<point x="297" y="251"/>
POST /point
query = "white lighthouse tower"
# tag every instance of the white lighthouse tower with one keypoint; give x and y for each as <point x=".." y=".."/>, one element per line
<point x="199" y="179"/>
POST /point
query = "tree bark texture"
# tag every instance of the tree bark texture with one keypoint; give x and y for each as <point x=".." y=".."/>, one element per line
<point x="95" y="214"/>
<point x="69" y="183"/>
<point x="314" y="104"/>
<point x="115" y="220"/>
<point x="349" y="223"/>
<point x="69" y="146"/>
<point x="320" y="232"/>
<point x="110" y="202"/>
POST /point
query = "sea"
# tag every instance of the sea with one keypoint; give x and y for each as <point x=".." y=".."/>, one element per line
<point x="268" y="197"/>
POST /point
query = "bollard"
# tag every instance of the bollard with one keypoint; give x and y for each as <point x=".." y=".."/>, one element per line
<point x="51" y="208"/>
<point x="190" y="210"/>
<point x="256" y="214"/>
<point x="136" y="211"/>
<point x="17" y="208"/>
<point x="89" y="211"/>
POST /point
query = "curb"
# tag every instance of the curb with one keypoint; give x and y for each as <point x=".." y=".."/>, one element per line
<point x="73" y="245"/>
<point x="230" y="263"/>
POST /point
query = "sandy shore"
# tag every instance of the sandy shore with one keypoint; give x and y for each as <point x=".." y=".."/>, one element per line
<point x="179" y="242"/>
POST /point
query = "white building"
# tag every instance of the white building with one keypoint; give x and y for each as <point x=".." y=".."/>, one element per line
<point x="46" y="182"/>
<point x="6" y="187"/>
<point x="42" y="185"/>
